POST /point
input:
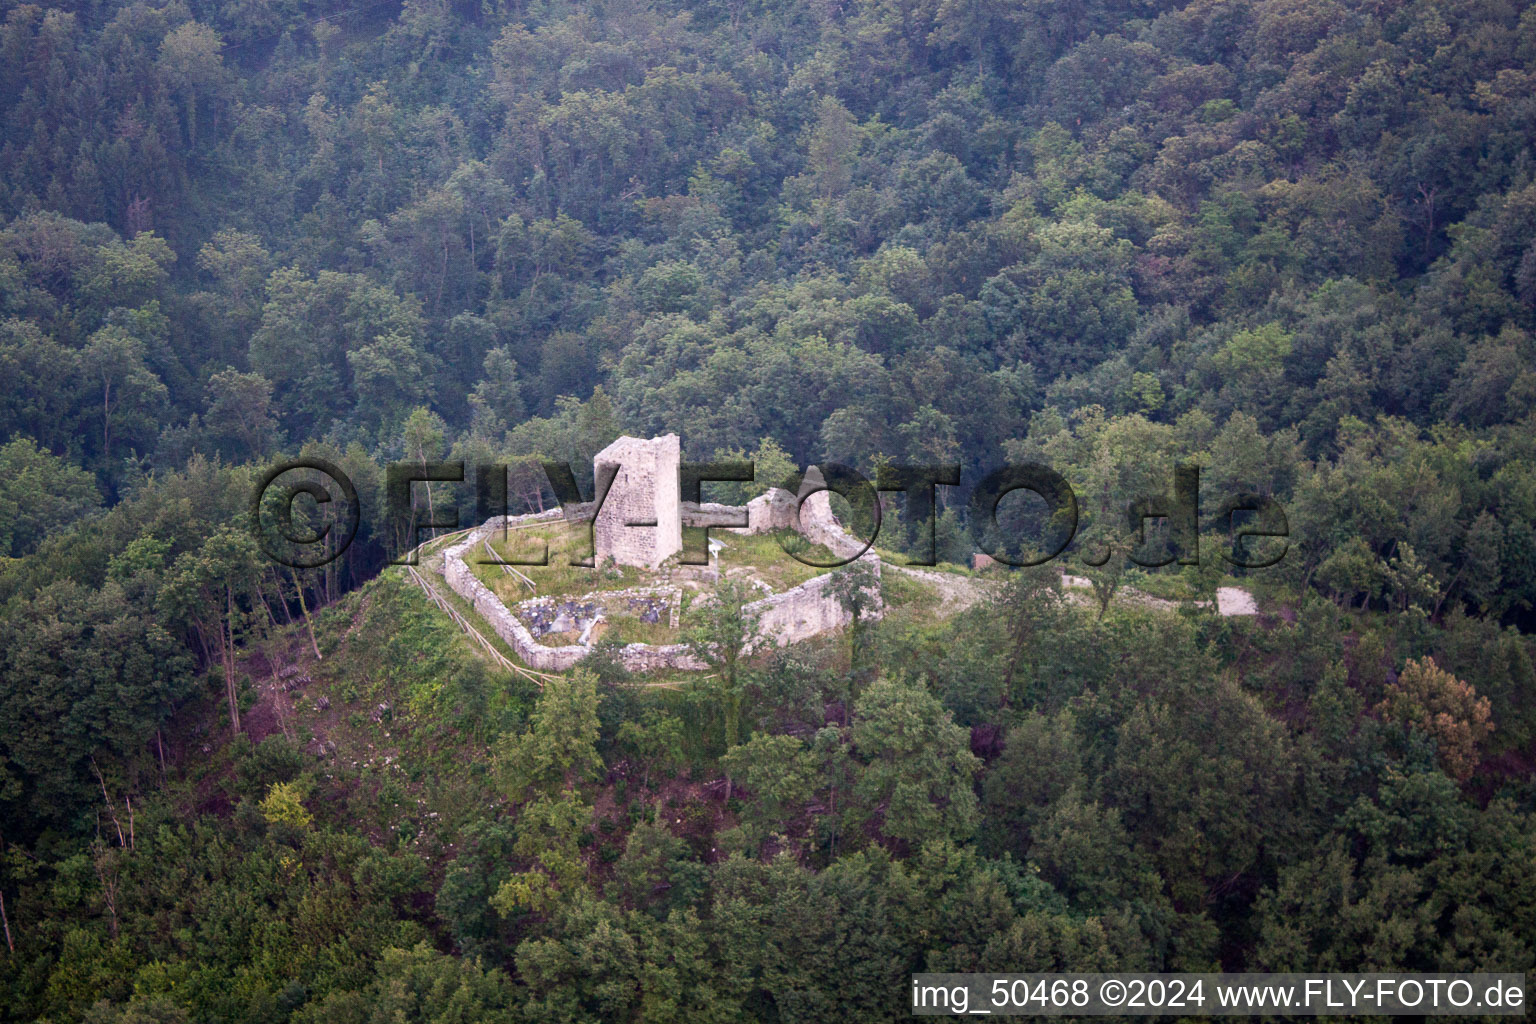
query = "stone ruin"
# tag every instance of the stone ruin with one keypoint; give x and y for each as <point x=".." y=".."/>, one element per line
<point x="639" y="522"/>
<point x="645" y="490"/>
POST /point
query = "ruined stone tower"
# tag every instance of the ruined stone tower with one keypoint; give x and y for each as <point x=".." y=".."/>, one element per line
<point x="640" y="522"/>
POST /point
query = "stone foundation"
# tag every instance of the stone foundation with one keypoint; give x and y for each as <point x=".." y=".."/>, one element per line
<point x="785" y="618"/>
<point x="640" y="524"/>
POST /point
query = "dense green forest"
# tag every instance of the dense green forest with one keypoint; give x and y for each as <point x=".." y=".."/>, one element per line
<point x="1290" y="241"/>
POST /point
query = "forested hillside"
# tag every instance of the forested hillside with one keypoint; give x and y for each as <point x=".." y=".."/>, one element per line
<point x="1290" y="241"/>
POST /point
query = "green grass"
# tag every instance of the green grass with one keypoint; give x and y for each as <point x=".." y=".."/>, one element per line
<point x="423" y="771"/>
<point x="467" y="610"/>
<point x="558" y="578"/>
<point x="902" y="591"/>
<point x="764" y="555"/>
<point x="634" y="631"/>
<point x="1166" y="583"/>
<point x="894" y="557"/>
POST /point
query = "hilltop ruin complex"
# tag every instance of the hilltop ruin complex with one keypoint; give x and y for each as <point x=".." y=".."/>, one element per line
<point x="639" y="524"/>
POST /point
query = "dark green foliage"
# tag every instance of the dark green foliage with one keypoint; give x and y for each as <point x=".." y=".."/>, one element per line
<point x="86" y="674"/>
<point x="1289" y="242"/>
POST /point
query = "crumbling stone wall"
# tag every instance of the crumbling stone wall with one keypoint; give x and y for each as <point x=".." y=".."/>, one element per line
<point x="715" y="515"/>
<point x="772" y="510"/>
<point x="776" y="509"/>
<point x="820" y="526"/>
<point x="805" y="611"/>
<point x="659" y="658"/>
<point x="462" y="581"/>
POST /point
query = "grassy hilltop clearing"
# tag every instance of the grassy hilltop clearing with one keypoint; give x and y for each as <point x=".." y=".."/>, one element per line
<point x="1289" y="242"/>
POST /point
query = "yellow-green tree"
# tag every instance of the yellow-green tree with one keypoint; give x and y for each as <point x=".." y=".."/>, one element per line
<point x="284" y="805"/>
<point x="1428" y="698"/>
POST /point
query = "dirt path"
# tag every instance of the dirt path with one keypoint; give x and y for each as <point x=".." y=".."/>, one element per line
<point x="1229" y="600"/>
<point x="956" y="593"/>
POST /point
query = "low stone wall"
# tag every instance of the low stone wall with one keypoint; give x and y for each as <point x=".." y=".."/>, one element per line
<point x="820" y="526"/>
<point x="772" y="510"/>
<point x="804" y="611"/>
<point x="463" y="581"/>
<point x="715" y="515"/>
<point x="659" y="657"/>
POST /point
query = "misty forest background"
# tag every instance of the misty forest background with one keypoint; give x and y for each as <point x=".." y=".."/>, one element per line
<point x="1293" y="241"/>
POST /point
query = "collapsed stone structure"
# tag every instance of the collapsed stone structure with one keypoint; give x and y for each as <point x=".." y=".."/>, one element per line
<point x="645" y="489"/>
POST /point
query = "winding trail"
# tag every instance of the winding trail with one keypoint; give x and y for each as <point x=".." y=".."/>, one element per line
<point x="957" y="593"/>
